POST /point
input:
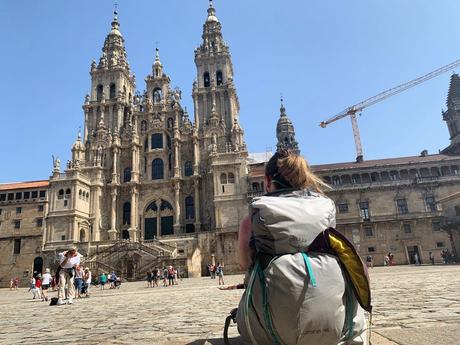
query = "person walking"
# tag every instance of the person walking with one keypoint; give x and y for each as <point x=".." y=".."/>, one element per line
<point x="68" y="261"/>
<point x="165" y="276"/>
<point x="294" y="294"/>
<point x="155" y="277"/>
<point x="16" y="283"/>
<point x="11" y="284"/>
<point x="431" y="256"/>
<point x="416" y="259"/>
<point x="46" y="284"/>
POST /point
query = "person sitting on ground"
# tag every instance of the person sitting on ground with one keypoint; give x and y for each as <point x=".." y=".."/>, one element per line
<point x="310" y="302"/>
<point x="68" y="261"/>
<point x="46" y="284"/>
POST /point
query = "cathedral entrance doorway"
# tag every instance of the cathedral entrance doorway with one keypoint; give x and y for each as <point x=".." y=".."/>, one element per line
<point x="150" y="228"/>
<point x="158" y="219"/>
<point x="38" y="266"/>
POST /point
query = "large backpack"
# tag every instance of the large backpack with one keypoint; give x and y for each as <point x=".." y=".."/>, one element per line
<point x="307" y="279"/>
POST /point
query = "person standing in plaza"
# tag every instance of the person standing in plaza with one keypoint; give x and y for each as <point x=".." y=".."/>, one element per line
<point x="11" y="284"/>
<point x="68" y="261"/>
<point x="431" y="256"/>
<point x="165" y="276"/>
<point x="220" y="273"/>
<point x="78" y="280"/>
<point x="103" y="280"/>
<point x="155" y="277"/>
<point x="170" y="275"/>
<point x="87" y="279"/>
<point x="369" y="261"/>
<point x="416" y="259"/>
<point x="46" y="284"/>
<point x="149" y="279"/>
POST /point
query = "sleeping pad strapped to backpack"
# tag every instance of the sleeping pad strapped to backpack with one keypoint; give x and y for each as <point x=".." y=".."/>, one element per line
<point x="307" y="284"/>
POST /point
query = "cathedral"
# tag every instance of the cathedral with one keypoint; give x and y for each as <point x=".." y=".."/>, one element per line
<point x="143" y="173"/>
<point x="146" y="186"/>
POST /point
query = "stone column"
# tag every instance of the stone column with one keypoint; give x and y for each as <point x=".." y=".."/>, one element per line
<point x="196" y="153"/>
<point x="176" y="157"/>
<point x="133" y="228"/>
<point x="115" y="166"/>
<point x="85" y="128"/>
<point x="177" y="206"/>
<point x="197" y="205"/>
<point x="195" y="110"/>
<point x="96" y="194"/>
<point x="113" y="218"/>
<point x="135" y="164"/>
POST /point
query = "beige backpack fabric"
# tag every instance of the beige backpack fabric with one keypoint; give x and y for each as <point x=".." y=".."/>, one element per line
<point x="295" y="295"/>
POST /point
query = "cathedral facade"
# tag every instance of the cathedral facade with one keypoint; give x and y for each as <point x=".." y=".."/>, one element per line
<point x="143" y="173"/>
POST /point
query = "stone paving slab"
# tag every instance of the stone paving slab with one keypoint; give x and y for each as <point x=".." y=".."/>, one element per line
<point x="412" y="306"/>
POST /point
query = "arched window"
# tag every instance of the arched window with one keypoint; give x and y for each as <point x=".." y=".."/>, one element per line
<point x="157" y="141"/>
<point x="67" y="192"/>
<point x="188" y="169"/>
<point x="82" y="235"/>
<point x="127" y="213"/>
<point x="146" y="144"/>
<point x="189" y="208"/>
<point x="112" y="92"/>
<point x="99" y="92"/>
<point x="219" y="79"/>
<point x="206" y="79"/>
<point x="255" y="187"/>
<point x="61" y="194"/>
<point x="79" y="194"/>
<point x="231" y="178"/>
<point x="127" y="175"/>
<point x="157" y="95"/>
<point x="87" y="195"/>
<point x="165" y="206"/>
<point x="157" y="169"/>
<point x="223" y="178"/>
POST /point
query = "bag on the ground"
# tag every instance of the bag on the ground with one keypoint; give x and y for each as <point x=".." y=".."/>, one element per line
<point x="53" y="301"/>
<point x="307" y="279"/>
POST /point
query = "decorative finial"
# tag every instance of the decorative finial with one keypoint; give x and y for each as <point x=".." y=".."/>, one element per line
<point x="79" y="133"/>
<point x="157" y="53"/>
<point x="282" y="108"/>
<point x="115" y="12"/>
<point x="210" y="3"/>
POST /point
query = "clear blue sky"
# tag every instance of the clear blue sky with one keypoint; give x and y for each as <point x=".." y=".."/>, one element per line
<point x="322" y="55"/>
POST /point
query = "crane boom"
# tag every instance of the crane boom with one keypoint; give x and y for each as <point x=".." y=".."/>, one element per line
<point x="354" y="109"/>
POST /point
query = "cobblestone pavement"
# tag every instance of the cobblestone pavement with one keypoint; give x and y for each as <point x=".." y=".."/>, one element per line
<point x="412" y="306"/>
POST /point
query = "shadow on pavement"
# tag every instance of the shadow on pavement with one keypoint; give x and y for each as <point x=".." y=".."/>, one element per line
<point x="216" y="341"/>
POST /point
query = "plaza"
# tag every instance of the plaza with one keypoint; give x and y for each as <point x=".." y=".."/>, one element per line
<point x="413" y="305"/>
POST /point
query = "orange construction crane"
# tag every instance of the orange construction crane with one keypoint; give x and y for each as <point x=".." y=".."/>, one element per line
<point x="357" y="108"/>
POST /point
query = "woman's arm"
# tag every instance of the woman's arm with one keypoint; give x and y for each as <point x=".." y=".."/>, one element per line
<point x="245" y="257"/>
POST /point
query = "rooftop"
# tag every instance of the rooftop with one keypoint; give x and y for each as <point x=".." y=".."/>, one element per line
<point x="387" y="162"/>
<point x="23" y="185"/>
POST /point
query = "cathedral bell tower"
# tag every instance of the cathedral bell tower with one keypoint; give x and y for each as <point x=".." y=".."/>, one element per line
<point x="222" y="157"/>
<point x="285" y="132"/>
<point x="452" y="115"/>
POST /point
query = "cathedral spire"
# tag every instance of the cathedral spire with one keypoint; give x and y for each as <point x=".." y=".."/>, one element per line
<point x="452" y="116"/>
<point x="285" y="132"/>
<point x="113" y="51"/>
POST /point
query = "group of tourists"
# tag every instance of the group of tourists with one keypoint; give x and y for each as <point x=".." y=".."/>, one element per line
<point x="40" y="284"/>
<point x="389" y="259"/>
<point x="112" y="279"/>
<point x="216" y="270"/>
<point x="169" y="275"/>
<point x="447" y="257"/>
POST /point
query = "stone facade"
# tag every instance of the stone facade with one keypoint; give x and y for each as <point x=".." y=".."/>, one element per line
<point x="23" y="207"/>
